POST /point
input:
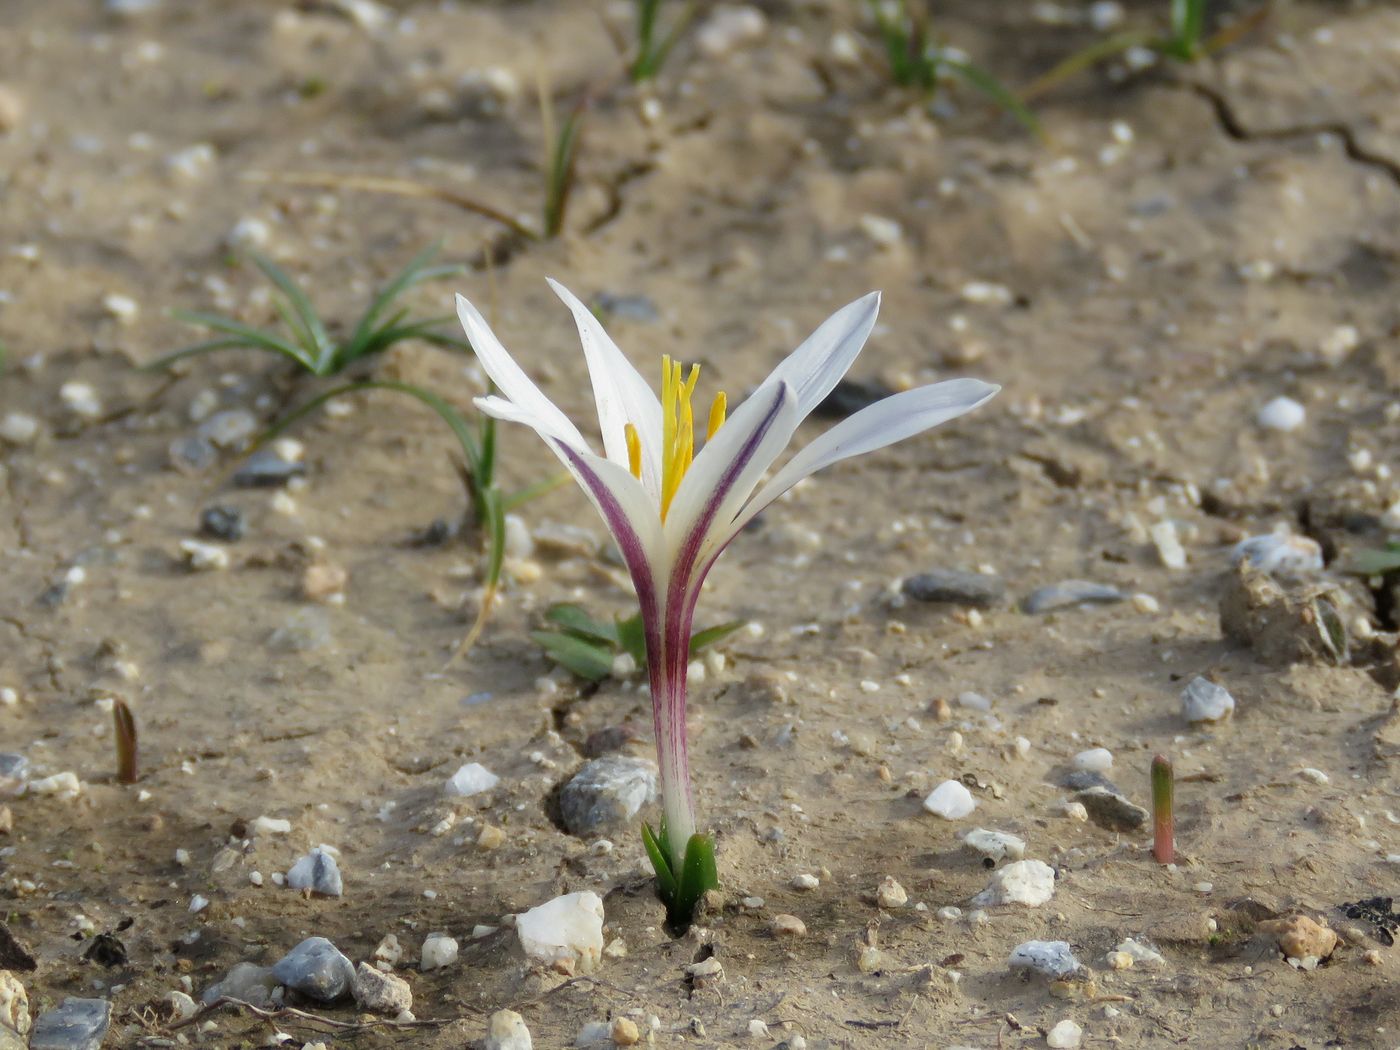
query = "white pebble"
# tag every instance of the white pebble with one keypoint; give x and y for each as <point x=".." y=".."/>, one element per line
<point x="566" y="932"/>
<point x="805" y="882"/>
<point x="1204" y="701"/>
<point x="1028" y="882"/>
<point x="995" y="845"/>
<point x="18" y="428"/>
<point x="1064" y="1036"/>
<point x="439" y="950"/>
<point x="1282" y="413"/>
<point x="121" y="307"/>
<point x="1145" y="603"/>
<point x="1317" y="776"/>
<point x="1095" y="760"/>
<point x="204" y="557"/>
<point x="891" y="894"/>
<point x="271" y="826"/>
<point x="1169" y="548"/>
<point x="472" y="779"/>
<point x="884" y="232"/>
<point x="80" y="399"/>
<point x="950" y="800"/>
<point x="728" y="28"/>
<point x="985" y="292"/>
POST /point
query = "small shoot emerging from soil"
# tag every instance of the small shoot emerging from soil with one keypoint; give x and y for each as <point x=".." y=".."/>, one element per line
<point x="1184" y="41"/>
<point x="916" y="61"/>
<point x="681" y="889"/>
<point x="672" y="510"/>
<point x="125" y="725"/>
<point x="1163" y="815"/>
<point x="306" y="339"/>
<point x="589" y="648"/>
<point x="654" y="46"/>
<point x="562" y="141"/>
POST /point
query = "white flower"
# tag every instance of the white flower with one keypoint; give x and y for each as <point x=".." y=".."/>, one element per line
<point x="673" y="510"/>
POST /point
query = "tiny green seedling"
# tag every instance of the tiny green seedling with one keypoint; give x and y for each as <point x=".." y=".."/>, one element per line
<point x="1163" y="816"/>
<point x="916" y="61"/>
<point x="653" y="46"/>
<point x="1184" y="41"/>
<point x="681" y="889"/>
<point x="589" y="647"/>
<point x="124" y="724"/>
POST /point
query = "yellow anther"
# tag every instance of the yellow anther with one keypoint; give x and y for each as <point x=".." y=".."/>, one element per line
<point x="634" y="451"/>
<point x="677" y="428"/>
<point x="716" y="416"/>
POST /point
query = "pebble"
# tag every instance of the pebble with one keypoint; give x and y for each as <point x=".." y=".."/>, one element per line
<point x="1204" y="701"/>
<point x="607" y="793"/>
<point x="64" y="786"/>
<point x="1140" y="953"/>
<point x="506" y="1031"/>
<point x="1028" y="882"/>
<point x="82" y="400"/>
<point x="323" y="582"/>
<point x="1168" y="544"/>
<point x="267" y="469"/>
<point x="805" y="882"/>
<point x="123" y="308"/>
<point x="976" y="589"/>
<point x="316" y="969"/>
<point x="230" y="428"/>
<point x="594" y="1033"/>
<point x="1282" y="413"/>
<point x="1119" y="961"/>
<point x="11" y="109"/>
<point x="995" y="846"/>
<point x="623" y="1032"/>
<point x="14" y="771"/>
<point x="181" y="1005"/>
<point x="387" y="952"/>
<point x="14" y="1003"/>
<point x="564" y="933"/>
<point x="271" y="826"/>
<point x="785" y="925"/>
<point x="890" y="894"/>
<point x="950" y="800"/>
<point x="303" y="631"/>
<point x="1064" y="1036"/>
<point x="381" y="993"/>
<point x="1069" y="593"/>
<point x="1110" y="809"/>
<point x="248" y="232"/>
<point x="729" y="27"/>
<point x="221" y="522"/>
<point x="1279" y="554"/>
<point x="1051" y="958"/>
<point x="204" y="557"/>
<point x="1317" y="776"/>
<point x="77" y="1024"/>
<point x="439" y="950"/>
<point x="471" y="779"/>
<point x="18" y="428"/>
<point x="883" y="231"/>
<point x="192" y="454"/>
<point x="1095" y="760"/>
<point x="246" y="981"/>
<point x="628" y="307"/>
<point x="318" y="872"/>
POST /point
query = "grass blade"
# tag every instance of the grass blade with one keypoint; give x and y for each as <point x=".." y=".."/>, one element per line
<point x="166" y="360"/>
<point x="588" y="660"/>
<point x="633" y="640"/>
<point x="710" y="635"/>
<point x="994" y="89"/>
<point x="559" y="176"/>
<point x="125" y="725"/>
<point x="495" y="523"/>
<point x="310" y="320"/>
<point x="415" y="272"/>
<point x="249" y="335"/>
<point x="1188" y="19"/>
<point x="522" y="496"/>
<point x="660" y="863"/>
<point x="1083" y="60"/>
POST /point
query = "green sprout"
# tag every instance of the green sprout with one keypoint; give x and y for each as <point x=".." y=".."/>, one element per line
<point x="1375" y="562"/>
<point x="587" y="647"/>
<point x="124" y="724"/>
<point x="1184" y="41"/>
<point x="681" y="890"/>
<point x="562" y="141"/>
<point x="652" y="50"/>
<point x="916" y="61"/>
<point x="1163" y="811"/>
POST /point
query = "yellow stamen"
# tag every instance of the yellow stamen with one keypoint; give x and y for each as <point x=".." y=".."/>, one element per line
<point x="634" y="451"/>
<point x="716" y="416"/>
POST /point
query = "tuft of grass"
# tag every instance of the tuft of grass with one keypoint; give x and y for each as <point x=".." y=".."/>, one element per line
<point x="587" y="646"/>
<point x="1163" y="815"/>
<point x="1184" y="41"/>
<point x="681" y="890"/>
<point x="562" y="141"/>
<point x="918" y="62"/>
<point x="653" y="47"/>
<point x="305" y="339"/>
<point x="124" y="723"/>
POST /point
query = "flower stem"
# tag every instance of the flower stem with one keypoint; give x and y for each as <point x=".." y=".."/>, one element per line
<point x="668" y="700"/>
<point x="1163" y="823"/>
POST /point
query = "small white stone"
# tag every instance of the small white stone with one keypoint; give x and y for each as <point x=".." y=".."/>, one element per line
<point x="729" y="27"/>
<point x="985" y="292"/>
<point x="844" y="48"/>
<point x="18" y="428"/>
<point x="1140" y="953"/>
<point x="1339" y="342"/>
<point x="1028" y="882"/>
<point x="566" y="932"/>
<point x="192" y="162"/>
<point x="471" y="779"/>
<point x="695" y="672"/>
<point x="249" y="232"/>
<point x="255" y="877"/>
<point x="1279" y="554"/>
<point x="204" y="557"/>
<point x="1064" y="1036"/>
<point x="519" y="543"/>
<point x="1095" y="760"/>
<point x="439" y="950"/>
<point x="1051" y="958"/>
<point x="995" y="845"/>
<point x="890" y="894"/>
<point x="805" y="882"/>
<point x="1169" y="548"/>
<point x="1145" y="603"/>
<point x="1317" y="776"/>
<point x="198" y="903"/>
<point x="884" y="232"/>
<point x="1282" y="413"/>
<point x="624" y="665"/>
<point x="949" y="914"/>
<point x="950" y="800"/>
<point x="64" y="786"/>
<point x="121" y="307"/>
<point x="1204" y="701"/>
<point x="506" y="1031"/>
<point x="758" y="1029"/>
<point x="271" y="826"/>
<point x="80" y="399"/>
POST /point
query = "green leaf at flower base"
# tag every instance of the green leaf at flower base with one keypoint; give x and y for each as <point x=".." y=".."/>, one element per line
<point x="710" y="635"/>
<point x="681" y="891"/>
<point x="1375" y="562"/>
<point x="660" y="862"/>
<point x="575" y="620"/>
<point x="632" y="639"/>
<point x="590" y="660"/>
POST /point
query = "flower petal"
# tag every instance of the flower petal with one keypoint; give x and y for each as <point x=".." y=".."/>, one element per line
<point x="892" y="419"/>
<point x="725" y="473"/>
<point x="815" y="367"/>
<point x="621" y="394"/>
<point x="510" y="379"/>
<point x="500" y="408"/>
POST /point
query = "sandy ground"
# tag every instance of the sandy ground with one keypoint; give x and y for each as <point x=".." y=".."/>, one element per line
<point x="1169" y="265"/>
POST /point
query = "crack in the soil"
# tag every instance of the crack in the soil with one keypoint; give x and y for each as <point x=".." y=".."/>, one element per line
<point x="1231" y="124"/>
<point x="614" y="188"/>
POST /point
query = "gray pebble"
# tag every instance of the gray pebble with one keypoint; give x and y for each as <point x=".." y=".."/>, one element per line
<point x="78" y="1024"/>
<point x="1068" y="593"/>
<point x="247" y="981"/>
<point x="223" y="523"/>
<point x="14" y="771"/>
<point x="305" y="630"/>
<point x="1052" y="958"/>
<point x="317" y="872"/>
<point x="607" y="792"/>
<point x="976" y="589"/>
<point x="1081" y="779"/>
<point x="316" y="969"/>
<point x="192" y="454"/>
<point x="1204" y="701"/>
<point x="265" y="469"/>
<point x="230" y="428"/>
<point x="627" y="307"/>
<point x="1109" y="809"/>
